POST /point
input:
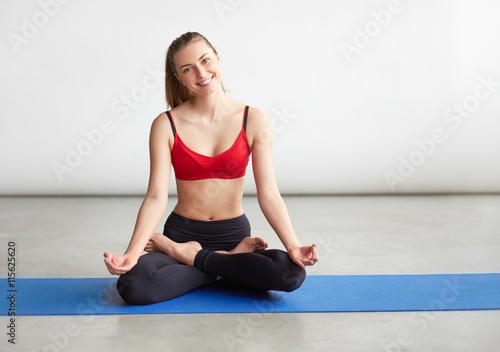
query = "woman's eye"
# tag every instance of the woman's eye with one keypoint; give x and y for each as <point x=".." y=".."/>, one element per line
<point x="206" y="60"/>
<point x="186" y="70"/>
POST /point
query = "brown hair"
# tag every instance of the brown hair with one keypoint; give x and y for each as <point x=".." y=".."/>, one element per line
<point x="175" y="92"/>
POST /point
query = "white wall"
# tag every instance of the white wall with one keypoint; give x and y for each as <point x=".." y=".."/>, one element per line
<point x="347" y="107"/>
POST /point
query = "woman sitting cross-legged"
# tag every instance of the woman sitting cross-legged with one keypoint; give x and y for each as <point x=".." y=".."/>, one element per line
<point x="208" y="138"/>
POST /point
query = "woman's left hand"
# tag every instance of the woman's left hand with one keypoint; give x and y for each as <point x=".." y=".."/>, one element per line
<point x="303" y="256"/>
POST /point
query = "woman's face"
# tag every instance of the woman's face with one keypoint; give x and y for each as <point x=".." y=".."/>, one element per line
<point x="198" y="68"/>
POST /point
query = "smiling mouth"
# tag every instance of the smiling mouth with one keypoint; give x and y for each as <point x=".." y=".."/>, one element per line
<point x="205" y="83"/>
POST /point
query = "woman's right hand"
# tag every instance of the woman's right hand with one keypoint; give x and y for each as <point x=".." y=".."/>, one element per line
<point x="119" y="264"/>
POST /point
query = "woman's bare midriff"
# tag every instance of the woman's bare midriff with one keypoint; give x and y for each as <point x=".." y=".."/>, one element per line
<point x="210" y="199"/>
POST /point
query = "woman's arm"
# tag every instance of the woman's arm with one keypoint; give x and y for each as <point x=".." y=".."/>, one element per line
<point x="155" y="203"/>
<point x="270" y="201"/>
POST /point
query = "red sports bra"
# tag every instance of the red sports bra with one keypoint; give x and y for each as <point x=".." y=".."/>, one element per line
<point x="189" y="165"/>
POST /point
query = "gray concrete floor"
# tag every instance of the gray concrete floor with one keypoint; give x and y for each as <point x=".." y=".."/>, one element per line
<point x="65" y="237"/>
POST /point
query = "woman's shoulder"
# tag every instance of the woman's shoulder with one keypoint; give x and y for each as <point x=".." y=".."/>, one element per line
<point x="161" y="118"/>
<point x="161" y="125"/>
<point x="177" y="109"/>
<point x="256" y="113"/>
<point x="257" y="118"/>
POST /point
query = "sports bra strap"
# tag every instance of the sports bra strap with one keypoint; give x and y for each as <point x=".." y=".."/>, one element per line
<point x="171" y="121"/>
<point x="245" y="119"/>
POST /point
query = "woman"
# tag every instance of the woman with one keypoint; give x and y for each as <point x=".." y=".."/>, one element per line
<point x="207" y="236"/>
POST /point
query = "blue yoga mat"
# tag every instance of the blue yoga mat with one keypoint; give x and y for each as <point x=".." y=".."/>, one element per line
<point x="346" y="293"/>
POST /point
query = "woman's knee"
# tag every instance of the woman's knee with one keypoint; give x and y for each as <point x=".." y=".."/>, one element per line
<point x="129" y="289"/>
<point x="292" y="277"/>
<point x="288" y="276"/>
<point x="133" y="289"/>
<point x="134" y="286"/>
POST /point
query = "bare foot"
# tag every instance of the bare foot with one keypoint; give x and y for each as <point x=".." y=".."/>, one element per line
<point x="155" y="243"/>
<point x="183" y="252"/>
<point x="247" y="245"/>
